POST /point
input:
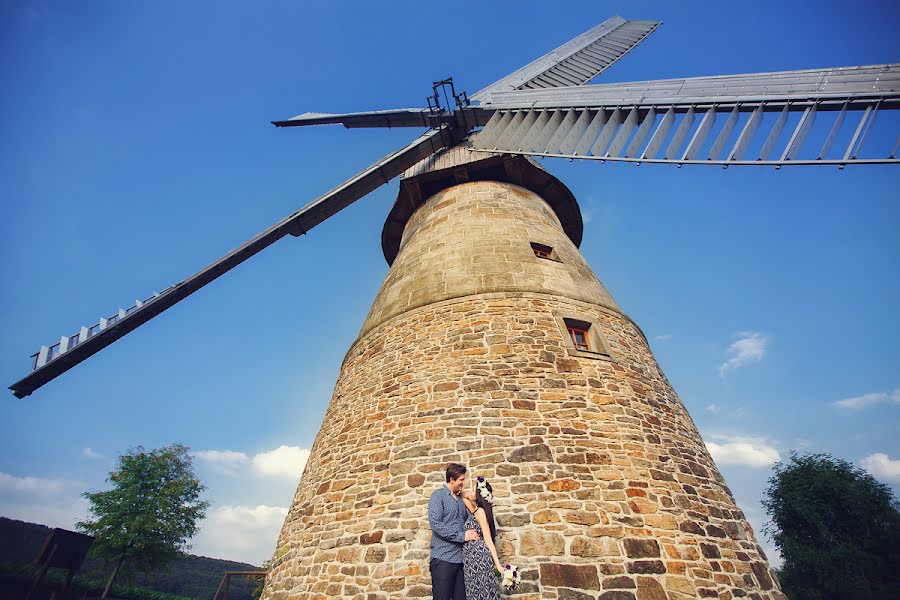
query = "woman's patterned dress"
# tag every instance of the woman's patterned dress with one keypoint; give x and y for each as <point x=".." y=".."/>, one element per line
<point x="478" y="566"/>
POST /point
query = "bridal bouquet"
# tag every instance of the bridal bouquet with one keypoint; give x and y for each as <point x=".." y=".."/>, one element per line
<point x="509" y="578"/>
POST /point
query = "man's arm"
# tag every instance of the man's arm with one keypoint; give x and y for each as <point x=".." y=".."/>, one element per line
<point x="439" y="525"/>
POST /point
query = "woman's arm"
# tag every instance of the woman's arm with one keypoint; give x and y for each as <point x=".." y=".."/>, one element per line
<point x="486" y="530"/>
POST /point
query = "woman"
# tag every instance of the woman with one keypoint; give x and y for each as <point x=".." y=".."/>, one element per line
<point x="480" y="557"/>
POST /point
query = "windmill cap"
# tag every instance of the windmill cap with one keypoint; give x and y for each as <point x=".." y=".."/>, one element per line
<point x="458" y="165"/>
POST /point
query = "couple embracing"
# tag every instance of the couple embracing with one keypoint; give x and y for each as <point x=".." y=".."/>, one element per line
<point x="463" y="555"/>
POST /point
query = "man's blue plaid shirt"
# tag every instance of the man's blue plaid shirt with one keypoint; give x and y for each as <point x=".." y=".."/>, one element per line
<point x="447" y="517"/>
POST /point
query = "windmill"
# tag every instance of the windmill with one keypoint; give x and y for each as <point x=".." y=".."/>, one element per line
<point x="480" y="145"/>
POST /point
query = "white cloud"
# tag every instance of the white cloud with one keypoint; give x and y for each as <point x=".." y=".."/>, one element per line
<point x="749" y="347"/>
<point x="63" y="512"/>
<point x="742" y="450"/>
<point x="860" y="402"/>
<point x="662" y="337"/>
<point x="284" y="461"/>
<point x="244" y="533"/>
<point x="882" y="467"/>
<point x="226" y="462"/>
<point x="51" y="502"/>
<point x="713" y="408"/>
<point x="31" y="485"/>
<point x="92" y="454"/>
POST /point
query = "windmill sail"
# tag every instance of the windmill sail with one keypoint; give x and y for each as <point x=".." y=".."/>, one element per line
<point x="51" y="362"/>
<point x="544" y="109"/>
<point x="674" y="121"/>
<point x="577" y="61"/>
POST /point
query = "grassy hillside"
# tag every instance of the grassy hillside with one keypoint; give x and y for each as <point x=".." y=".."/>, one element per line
<point x="191" y="576"/>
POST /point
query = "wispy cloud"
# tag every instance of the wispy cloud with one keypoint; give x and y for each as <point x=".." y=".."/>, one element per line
<point x="227" y="462"/>
<point x="52" y="502"/>
<point x="748" y="451"/>
<point x="664" y="337"/>
<point x="749" y="347"/>
<point x="882" y="467"/>
<point x="284" y="461"/>
<point x="92" y="454"/>
<point x="713" y="408"/>
<point x="31" y="485"/>
<point x="860" y="402"/>
<point x="245" y="533"/>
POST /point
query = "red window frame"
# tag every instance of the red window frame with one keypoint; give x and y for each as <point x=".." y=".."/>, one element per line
<point x="575" y="333"/>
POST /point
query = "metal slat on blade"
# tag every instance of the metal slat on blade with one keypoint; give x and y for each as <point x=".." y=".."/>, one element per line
<point x="295" y="224"/>
<point x="510" y="129"/>
<point x="800" y="133"/>
<point x="641" y="134"/>
<point x="623" y="134"/>
<point x="581" y="125"/>
<point x="489" y="132"/>
<point x="862" y="140"/>
<point x="578" y="60"/>
<point x="567" y="123"/>
<point x="515" y="141"/>
<point x="680" y="134"/>
<point x="696" y="143"/>
<point x="597" y="125"/>
<point x="722" y="139"/>
<point x="856" y="135"/>
<point x="747" y="133"/>
<point x="491" y="141"/>
<point x="540" y="122"/>
<point x="833" y="133"/>
<point x="540" y="145"/>
<point x="607" y="134"/>
<point x="659" y="136"/>
<point x="773" y="135"/>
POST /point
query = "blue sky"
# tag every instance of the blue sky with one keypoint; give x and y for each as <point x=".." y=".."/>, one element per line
<point x="136" y="148"/>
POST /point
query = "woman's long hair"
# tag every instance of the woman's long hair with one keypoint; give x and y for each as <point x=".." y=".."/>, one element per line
<point x="488" y="509"/>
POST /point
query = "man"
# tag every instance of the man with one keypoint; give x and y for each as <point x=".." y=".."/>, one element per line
<point x="447" y="516"/>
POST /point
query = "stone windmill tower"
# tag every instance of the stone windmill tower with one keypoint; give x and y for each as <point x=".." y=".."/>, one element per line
<point x="491" y="341"/>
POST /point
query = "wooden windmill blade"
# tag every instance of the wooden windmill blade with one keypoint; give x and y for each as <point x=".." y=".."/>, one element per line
<point x="631" y="121"/>
<point x="52" y="361"/>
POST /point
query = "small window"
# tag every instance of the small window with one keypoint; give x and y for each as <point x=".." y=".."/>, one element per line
<point x="579" y="338"/>
<point x="583" y="338"/>
<point x="542" y="251"/>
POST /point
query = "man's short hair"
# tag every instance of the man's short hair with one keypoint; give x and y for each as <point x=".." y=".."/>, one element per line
<point x="454" y="471"/>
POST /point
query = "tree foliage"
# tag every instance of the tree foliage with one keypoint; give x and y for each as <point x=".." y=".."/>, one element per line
<point x="837" y="528"/>
<point x="153" y="508"/>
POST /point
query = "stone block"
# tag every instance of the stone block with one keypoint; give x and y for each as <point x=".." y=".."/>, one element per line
<point x="582" y="577"/>
<point x="641" y="548"/>
<point x="536" y="542"/>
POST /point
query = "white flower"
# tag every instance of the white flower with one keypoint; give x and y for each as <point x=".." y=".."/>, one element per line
<point x="485" y="493"/>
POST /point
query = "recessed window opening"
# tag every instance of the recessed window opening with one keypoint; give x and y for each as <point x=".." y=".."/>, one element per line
<point x="542" y="251"/>
<point x="583" y="338"/>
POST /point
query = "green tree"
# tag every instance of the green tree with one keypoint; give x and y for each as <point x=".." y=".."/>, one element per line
<point x="837" y="528"/>
<point x="145" y="520"/>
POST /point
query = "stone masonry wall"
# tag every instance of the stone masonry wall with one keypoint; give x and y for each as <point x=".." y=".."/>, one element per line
<point x="603" y="487"/>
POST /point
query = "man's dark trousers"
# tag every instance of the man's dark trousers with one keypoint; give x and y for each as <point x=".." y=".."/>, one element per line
<point x="447" y="582"/>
